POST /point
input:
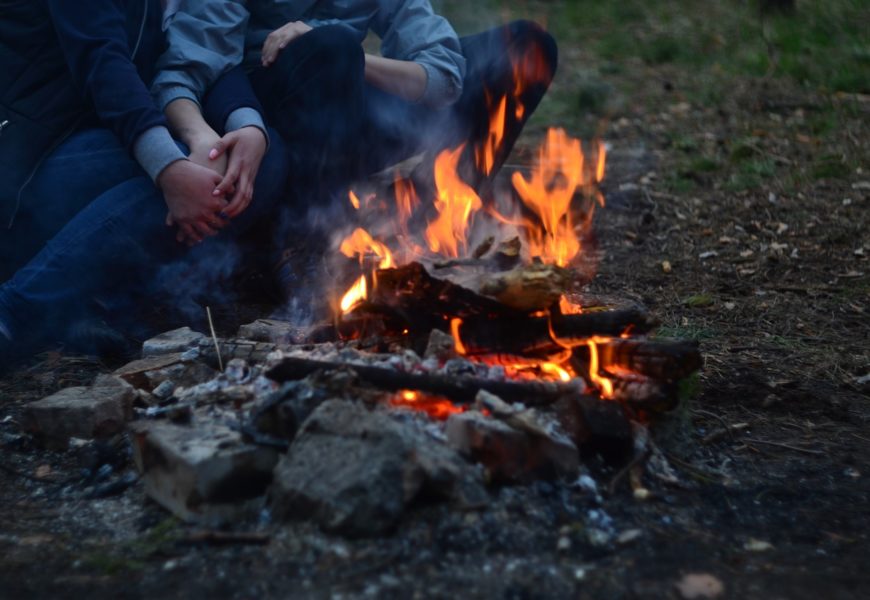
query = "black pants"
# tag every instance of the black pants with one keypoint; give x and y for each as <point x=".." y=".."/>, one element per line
<point x="340" y="129"/>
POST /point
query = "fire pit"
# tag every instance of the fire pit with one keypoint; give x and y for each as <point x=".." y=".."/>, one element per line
<point x="459" y="352"/>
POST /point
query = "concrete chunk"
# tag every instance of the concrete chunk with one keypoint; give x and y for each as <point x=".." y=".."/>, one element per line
<point x="171" y="342"/>
<point x="267" y="330"/>
<point x="82" y="412"/>
<point x="512" y="453"/>
<point x="354" y="471"/>
<point x="204" y="473"/>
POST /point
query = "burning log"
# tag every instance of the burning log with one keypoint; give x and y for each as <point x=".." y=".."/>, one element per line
<point x="542" y="335"/>
<point x="665" y="360"/>
<point x="410" y="290"/>
<point x="528" y="288"/>
<point x="645" y="394"/>
<point x="459" y="389"/>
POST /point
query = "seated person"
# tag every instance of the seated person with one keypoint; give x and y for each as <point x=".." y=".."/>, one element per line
<point x="347" y="114"/>
<point x="97" y="194"/>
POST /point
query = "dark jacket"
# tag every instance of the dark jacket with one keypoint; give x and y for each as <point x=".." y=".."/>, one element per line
<point x="66" y="64"/>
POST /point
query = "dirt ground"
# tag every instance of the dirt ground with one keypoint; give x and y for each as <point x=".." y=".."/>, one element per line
<point x="737" y="211"/>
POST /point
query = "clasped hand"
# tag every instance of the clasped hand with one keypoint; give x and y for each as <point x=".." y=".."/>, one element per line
<point x="215" y="184"/>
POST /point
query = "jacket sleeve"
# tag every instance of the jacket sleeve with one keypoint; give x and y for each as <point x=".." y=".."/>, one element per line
<point x="206" y="38"/>
<point x="231" y="104"/>
<point x="410" y="30"/>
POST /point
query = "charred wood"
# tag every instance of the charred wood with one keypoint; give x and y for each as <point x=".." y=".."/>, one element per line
<point x="666" y="360"/>
<point x="410" y="292"/>
<point x="532" y="335"/>
<point x="462" y="390"/>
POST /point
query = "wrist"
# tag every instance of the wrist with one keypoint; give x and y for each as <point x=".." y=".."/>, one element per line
<point x="168" y="172"/>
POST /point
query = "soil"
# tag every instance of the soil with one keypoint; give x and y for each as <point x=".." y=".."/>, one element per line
<point x="773" y="492"/>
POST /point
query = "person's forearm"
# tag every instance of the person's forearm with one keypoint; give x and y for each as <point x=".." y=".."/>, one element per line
<point x="401" y="78"/>
<point x="187" y="123"/>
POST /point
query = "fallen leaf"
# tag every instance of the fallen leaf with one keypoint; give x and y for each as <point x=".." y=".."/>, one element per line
<point x="666" y="266"/>
<point x="754" y="545"/>
<point x="700" y="585"/>
<point x="698" y="300"/>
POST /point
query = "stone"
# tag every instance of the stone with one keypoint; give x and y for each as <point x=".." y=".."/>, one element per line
<point x="267" y="330"/>
<point x="148" y="373"/>
<point x="82" y="412"/>
<point x="511" y="453"/>
<point x="354" y="471"/>
<point x="440" y="346"/>
<point x="171" y="342"/>
<point x="203" y="473"/>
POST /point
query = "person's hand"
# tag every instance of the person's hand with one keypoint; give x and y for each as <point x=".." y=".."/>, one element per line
<point x="188" y="189"/>
<point x="278" y="40"/>
<point x="200" y="148"/>
<point x="246" y="147"/>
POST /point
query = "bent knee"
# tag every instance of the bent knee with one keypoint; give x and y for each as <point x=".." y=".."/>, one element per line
<point x="330" y="46"/>
<point x="533" y="40"/>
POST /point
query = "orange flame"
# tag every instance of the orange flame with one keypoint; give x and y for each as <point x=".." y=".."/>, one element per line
<point x="456" y="203"/>
<point x="486" y="153"/>
<point x="549" y="193"/>
<point x="361" y="243"/>
<point x="455" y="324"/>
<point x="602" y="159"/>
<point x="354" y="296"/>
<point x="406" y="199"/>
<point x="605" y="386"/>
<point x="530" y="68"/>
<point x="354" y="199"/>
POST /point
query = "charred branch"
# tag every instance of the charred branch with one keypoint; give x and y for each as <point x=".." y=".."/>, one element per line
<point x="461" y="390"/>
<point x="547" y="335"/>
<point x="664" y="360"/>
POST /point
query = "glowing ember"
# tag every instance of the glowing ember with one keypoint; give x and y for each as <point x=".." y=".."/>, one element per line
<point x="360" y="243"/>
<point x="555" y="370"/>
<point x="604" y="385"/>
<point x="560" y="171"/>
<point x="569" y="308"/>
<point x="456" y="203"/>
<point x="356" y="294"/>
<point x="437" y="407"/>
<point x="354" y="199"/>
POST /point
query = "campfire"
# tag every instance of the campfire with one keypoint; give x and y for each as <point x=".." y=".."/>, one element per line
<point x="460" y="351"/>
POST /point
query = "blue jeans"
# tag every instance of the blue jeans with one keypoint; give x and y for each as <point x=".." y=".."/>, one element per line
<point x="104" y="222"/>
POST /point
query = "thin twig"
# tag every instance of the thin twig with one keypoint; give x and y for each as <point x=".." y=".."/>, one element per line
<point x="781" y="445"/>
<point x="217" y="347"/>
